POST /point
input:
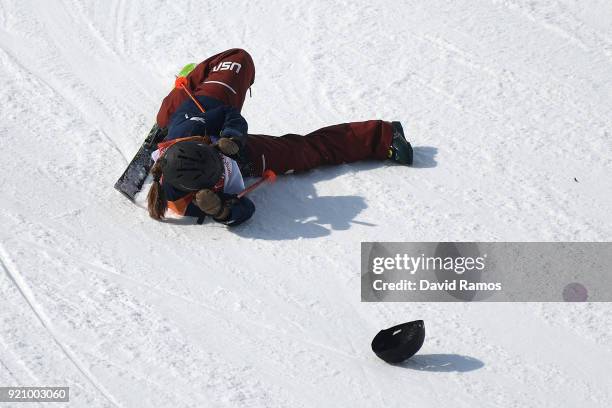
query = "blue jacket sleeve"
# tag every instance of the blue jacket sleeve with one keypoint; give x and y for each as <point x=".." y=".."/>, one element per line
<point x="223" y="121"/>
<point x="234" y="126"/>
<point x="241" y="209"/>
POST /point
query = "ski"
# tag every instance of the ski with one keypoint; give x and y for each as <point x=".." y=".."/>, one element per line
<point x="132" y="179"/>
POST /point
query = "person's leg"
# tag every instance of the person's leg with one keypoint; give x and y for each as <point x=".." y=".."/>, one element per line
<point x="337" y="144"/>
<point x="234" y="68"/>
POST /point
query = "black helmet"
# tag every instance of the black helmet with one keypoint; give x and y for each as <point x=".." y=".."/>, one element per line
<point x="399" y="343"/>
<point x="191" y="166"/>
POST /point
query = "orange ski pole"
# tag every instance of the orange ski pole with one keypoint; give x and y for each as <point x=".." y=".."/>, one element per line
<point x="181" y="82"/>
<point x="268" y="175"/>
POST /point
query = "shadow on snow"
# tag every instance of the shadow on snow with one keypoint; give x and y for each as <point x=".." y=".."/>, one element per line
<point x="442" y="363"/>
<point x="292" y="209"/>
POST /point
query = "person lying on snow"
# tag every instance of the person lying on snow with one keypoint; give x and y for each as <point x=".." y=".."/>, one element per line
<point x="200" y="165"/>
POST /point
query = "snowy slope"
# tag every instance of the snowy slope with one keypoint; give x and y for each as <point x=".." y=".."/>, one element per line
<point x="508" y="105"/>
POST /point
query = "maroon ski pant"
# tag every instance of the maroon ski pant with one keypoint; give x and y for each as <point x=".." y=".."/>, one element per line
<point x="337" y="144"/>
<point x="228" y="75"/>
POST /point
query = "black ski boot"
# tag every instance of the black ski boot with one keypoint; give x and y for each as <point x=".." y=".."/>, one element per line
<point x="400" y="150"/>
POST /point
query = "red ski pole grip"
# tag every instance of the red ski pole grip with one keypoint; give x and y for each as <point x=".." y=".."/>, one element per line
<point x="180" y="82"/>
<point x="269" y="175"/>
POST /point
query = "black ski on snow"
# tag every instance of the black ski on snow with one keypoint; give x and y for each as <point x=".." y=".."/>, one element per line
<point x="133" y="177"/>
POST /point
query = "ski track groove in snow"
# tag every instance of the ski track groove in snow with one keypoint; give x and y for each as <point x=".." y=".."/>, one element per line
<point x="61" y="94"/>
<point x="214" y="312"/>
<point x="15" y="276"/>
<point x="580" y="36"/>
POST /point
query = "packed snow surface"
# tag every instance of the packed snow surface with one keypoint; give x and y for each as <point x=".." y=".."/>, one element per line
<point x="508" y="105"/>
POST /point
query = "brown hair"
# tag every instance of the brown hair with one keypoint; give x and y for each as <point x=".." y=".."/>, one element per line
<point x="157" y="202"/>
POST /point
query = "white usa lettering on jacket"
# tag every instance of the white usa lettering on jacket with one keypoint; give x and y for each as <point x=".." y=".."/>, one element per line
<point x="227" y="66"/>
